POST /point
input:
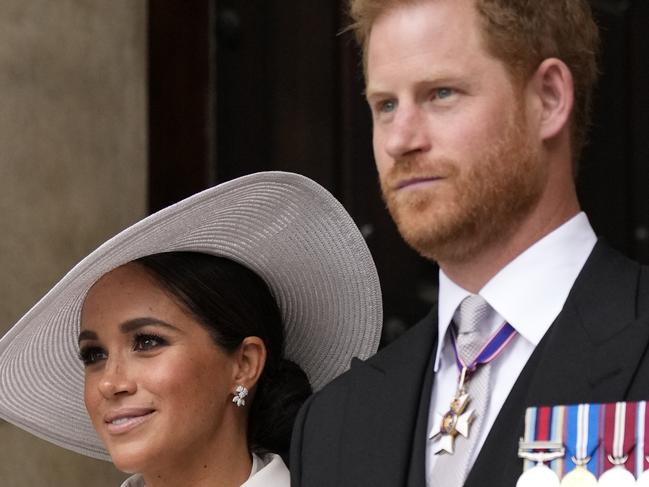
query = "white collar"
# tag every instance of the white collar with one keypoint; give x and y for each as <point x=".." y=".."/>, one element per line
<point x="267" y="471"/>
<point x="270" y="471"/>
<point x="531" y="290"/>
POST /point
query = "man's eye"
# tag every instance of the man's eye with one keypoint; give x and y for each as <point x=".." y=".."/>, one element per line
<point x="442" y="93"/>
<point x="92" y="355"/>
<point x="387" y="106"/>
<point x="142" y="343"/>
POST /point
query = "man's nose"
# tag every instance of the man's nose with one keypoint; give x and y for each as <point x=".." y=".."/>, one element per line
<point x="407" y="134"/>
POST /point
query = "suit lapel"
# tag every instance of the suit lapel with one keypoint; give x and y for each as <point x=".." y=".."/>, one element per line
<point x="388" y="414"/>
<point x="590" y="354"/>
<point x="417" y="470"/>
<point x="594" y="347"/>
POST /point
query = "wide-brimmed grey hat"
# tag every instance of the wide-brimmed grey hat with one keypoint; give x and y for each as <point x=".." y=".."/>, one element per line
<point x="283" y="226"/>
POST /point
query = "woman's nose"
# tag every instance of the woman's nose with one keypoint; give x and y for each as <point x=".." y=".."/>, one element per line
<point x="116" y="380"/>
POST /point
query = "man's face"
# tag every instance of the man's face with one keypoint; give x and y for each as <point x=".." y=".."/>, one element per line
<point x="457" y="165"/>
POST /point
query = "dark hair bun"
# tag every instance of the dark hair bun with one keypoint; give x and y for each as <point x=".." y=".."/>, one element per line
<point x="280" y="393"/>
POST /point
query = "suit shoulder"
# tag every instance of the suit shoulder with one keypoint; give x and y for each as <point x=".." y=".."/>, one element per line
<point x="423" y="332"/>
<point x="610" y="279"/>
<point x="393" y="355"/>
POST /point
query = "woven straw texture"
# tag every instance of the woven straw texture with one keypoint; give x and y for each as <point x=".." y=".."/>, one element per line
<point x="284" y="226"/>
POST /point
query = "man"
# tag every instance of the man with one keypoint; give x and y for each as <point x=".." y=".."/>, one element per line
<point x="480" y="109"/>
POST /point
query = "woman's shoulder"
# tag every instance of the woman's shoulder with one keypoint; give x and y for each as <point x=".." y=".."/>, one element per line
<point x="273" y="474"/>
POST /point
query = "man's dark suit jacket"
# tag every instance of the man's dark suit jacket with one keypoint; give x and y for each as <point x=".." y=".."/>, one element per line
<point x="368" y="427"/>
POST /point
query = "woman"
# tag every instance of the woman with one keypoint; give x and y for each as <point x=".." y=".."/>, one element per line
<point x="195" y="328"/>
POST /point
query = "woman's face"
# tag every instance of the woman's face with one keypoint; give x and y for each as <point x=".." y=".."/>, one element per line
<point x="157" y="387"/>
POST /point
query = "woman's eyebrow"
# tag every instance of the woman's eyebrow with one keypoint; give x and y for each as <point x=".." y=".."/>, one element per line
<point x="128" y="327"/>
<point x="137" y="323"/>
<point x="86" y="335"/>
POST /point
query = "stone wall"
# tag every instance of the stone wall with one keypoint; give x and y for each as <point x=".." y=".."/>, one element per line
<point x="72" y="171"/>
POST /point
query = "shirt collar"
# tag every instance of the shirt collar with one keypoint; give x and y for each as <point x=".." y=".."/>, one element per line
<point x="531" y="290"/>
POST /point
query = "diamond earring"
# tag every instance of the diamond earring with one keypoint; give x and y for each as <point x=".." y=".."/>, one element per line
<point x="240" y="392"/>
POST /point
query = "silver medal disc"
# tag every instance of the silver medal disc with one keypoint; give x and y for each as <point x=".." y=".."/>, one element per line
<point x="538" y="476"/>
<point x="643" y="480"/>
<point x="579" y="477"/>
<point x="618" y="476"/>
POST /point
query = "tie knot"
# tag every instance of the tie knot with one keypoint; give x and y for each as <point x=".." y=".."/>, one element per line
<point x="472" y="312"/>
<point x="471" y="328"/>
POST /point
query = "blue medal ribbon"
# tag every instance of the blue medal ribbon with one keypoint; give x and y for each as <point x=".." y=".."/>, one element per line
<point x="575" y="434"/>
<point x="494" y="346"/>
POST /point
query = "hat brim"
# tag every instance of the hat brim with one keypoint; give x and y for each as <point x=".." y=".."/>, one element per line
<point x="285" y="227"/>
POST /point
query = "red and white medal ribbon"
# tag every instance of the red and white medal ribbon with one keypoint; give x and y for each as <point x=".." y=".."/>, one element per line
<point x="619" y="439"/>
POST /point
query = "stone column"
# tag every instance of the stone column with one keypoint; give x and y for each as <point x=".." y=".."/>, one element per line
<point x="73" y="169"/>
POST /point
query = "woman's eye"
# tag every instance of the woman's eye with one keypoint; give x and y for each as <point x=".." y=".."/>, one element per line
<point x="147" y="342"/>
<point x="92" y="355"/>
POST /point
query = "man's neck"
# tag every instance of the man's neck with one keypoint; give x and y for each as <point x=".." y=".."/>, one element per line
<point x="474" y="271"/>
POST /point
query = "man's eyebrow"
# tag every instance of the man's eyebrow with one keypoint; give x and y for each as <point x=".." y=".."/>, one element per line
<point x="372" y="95"/>
<point x="128" y="327"/>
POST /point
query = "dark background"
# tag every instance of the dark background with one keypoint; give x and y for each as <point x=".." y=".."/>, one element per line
<point x="242" y="86"/>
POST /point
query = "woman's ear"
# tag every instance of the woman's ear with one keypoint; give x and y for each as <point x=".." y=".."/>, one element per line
<point x="250" y="359"/>
<point x="552" y="86"/>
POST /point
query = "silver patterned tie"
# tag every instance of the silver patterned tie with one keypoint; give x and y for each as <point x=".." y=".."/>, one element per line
<point x="472" y="334"/>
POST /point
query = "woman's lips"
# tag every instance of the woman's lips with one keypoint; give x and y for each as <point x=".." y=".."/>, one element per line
<point x="124" y="420"/>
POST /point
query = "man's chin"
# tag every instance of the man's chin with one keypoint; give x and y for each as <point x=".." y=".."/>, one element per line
<point x="426" y="239"/>
<point x="438" y="233"/>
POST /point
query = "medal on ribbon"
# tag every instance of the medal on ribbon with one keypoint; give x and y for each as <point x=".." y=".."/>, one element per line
<point x="542" y="444"/>
<point x="540" y="452"/>
<point x="619" y="440"/>
<point x="457" y="420"/>
<point x="582" y="441"/>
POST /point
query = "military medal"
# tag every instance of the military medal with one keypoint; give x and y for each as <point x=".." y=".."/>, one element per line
<point x="619" y="439"/>
<point x="618" y="476"/>
<point x="643" y="480"/>
<point x="457" y="420"/>
<point x="611" y="440"/>
<point x="582" y="440"/>
<point x="540" y="452"/>
<point x="543" y="442"/>
<point x="579" y="477"/>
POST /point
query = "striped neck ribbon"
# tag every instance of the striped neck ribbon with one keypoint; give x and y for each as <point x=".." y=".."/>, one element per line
<point x="489" y="351"/>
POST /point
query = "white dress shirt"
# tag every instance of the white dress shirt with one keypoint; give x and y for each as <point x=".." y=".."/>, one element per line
<point x="528" y="293"/>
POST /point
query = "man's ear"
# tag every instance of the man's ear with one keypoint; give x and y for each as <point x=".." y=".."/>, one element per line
<point x="552" y="85"/>
<point x="250" y="359"/>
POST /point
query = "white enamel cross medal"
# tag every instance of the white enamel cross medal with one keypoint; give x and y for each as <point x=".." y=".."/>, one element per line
<point x="456" y="421"/>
